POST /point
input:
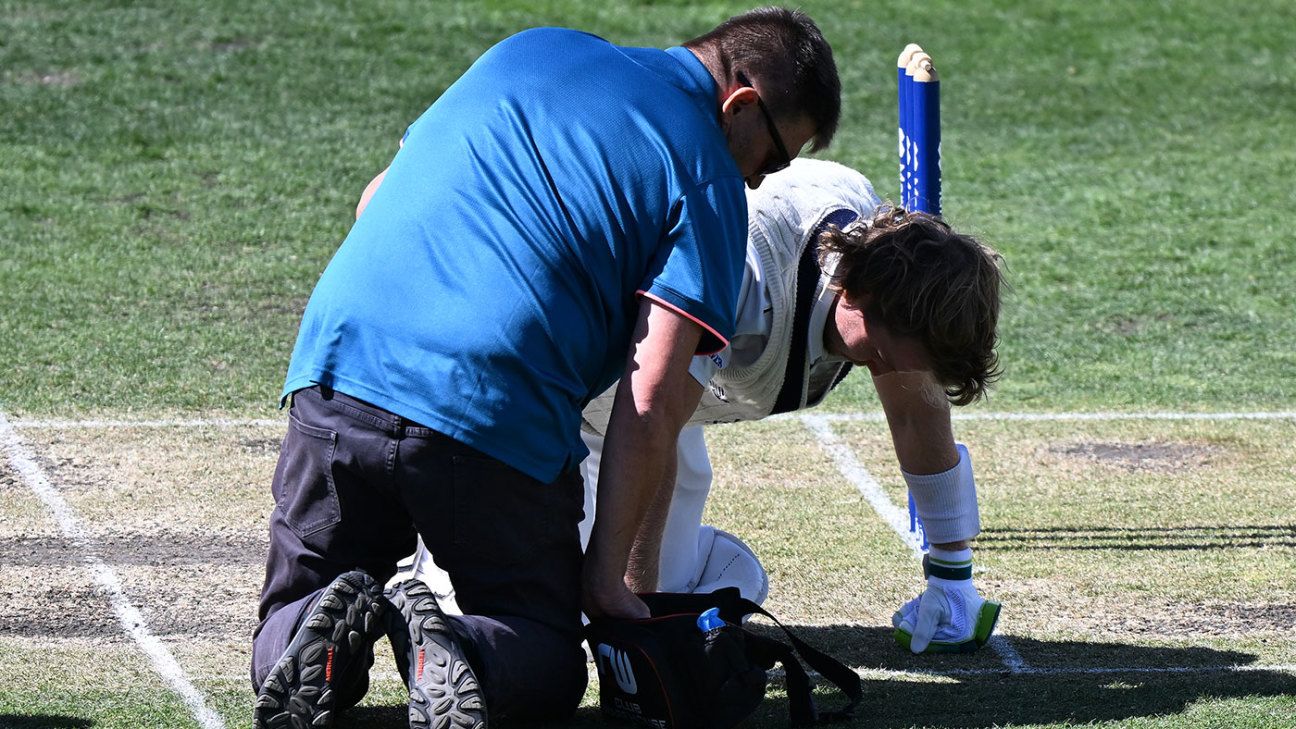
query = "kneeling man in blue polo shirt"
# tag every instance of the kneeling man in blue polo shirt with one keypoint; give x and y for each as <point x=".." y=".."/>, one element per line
<point x="569" y="212"/>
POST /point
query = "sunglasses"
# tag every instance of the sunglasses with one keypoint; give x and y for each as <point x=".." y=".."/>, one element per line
<point x="777" y="165"/>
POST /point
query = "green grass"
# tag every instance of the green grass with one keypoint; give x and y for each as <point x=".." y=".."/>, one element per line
<point x="176" y="175"/>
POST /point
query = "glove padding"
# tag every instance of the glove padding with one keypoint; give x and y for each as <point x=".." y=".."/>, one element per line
<point x="949" y="617"/>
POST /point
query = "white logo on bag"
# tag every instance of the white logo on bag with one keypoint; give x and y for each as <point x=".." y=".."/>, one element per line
<point x="619" y="664"/>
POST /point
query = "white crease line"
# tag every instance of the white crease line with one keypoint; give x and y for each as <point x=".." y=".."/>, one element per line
<point x="1009" y="655"/>
<point x="866" y="671"/>
<point x="854" y="471"/>
<point x="1099" y="670"/>
<point x="878" y="417"/>
<point x="132" y="621"/>
<point x="894" y="516"/>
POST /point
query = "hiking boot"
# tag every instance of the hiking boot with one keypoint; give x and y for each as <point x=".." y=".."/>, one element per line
<point x="328" y="657"/>
<point x="443" y="689"/>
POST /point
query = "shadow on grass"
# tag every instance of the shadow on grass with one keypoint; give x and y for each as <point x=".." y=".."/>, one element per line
<point x="41" y="721"/>
<point x="1170" y="539"/>
<point x="1068" y="682"/>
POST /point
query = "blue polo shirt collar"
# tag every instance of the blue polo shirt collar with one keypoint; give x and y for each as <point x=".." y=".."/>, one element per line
<point x="695" y="79"/>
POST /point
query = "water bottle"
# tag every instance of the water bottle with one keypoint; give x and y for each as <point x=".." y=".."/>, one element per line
<point x="710" y="620"/>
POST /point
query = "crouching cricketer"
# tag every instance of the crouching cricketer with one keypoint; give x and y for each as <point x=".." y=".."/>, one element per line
<point x="833" y="280"/>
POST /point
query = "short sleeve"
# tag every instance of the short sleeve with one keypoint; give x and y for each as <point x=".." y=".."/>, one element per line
<point x="699" y="267"/>
<point x="703" y="368"/>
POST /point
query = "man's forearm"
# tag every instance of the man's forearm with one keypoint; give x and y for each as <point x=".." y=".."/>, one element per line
<point x="653" y="401"/>
<point x="633" y="468"/>
<point x="644" y="571"/>
<point x="918" y="416"/>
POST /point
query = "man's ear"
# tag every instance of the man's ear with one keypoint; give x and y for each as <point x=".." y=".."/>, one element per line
<point x="858" y="302"/>
<point x="738" y="99"/>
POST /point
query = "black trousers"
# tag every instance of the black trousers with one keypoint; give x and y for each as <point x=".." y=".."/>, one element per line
<point x="355" y="484"/>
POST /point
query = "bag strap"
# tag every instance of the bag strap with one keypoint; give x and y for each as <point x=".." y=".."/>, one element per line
<point x="846" y="680"/>
<point x="765" y="652"/>
<point x="733" y="608"/>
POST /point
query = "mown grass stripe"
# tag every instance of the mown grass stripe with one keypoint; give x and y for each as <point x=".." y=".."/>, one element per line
<point x="132" y="621"/>
<point x="895" y="517"/>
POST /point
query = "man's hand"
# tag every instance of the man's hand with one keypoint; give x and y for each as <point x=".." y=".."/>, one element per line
<point x="609" y="599"/>
<point x="950" y="616"/>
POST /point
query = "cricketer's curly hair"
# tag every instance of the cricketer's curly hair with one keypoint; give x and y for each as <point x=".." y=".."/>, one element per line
<point x="928" y="282"/>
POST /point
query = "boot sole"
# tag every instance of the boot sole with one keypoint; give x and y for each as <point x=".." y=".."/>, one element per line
<point x="444" y="691"/>
<point x="298" y="692"/>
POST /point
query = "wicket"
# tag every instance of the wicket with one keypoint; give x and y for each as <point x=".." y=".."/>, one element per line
<point x="919" y="134"/>
<point x="918" y="90"/>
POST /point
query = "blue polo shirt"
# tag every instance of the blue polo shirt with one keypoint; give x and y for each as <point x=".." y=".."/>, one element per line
<point x="490" y="288"/>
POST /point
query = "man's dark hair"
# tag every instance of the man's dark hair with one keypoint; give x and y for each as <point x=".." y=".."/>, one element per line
<point x="784" y="51"/>
<point x="930" y="283"/>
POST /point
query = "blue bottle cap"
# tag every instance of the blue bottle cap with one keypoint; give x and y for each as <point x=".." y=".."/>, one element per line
<point x="710" y="620"/>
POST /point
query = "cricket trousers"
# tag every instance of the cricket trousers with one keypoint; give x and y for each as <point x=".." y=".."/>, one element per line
<point x="353" y="487"/>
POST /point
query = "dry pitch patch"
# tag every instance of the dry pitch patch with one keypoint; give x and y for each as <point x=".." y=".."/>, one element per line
<point x="179" y="515"/>
<point x="1152" y="555"/>
<point x="1169" y="533"/>
<point x="1119" y="605"/>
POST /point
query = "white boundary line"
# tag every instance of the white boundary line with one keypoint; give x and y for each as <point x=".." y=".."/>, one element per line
<point x="894" y="516"/>
<point x="132" y="621"/>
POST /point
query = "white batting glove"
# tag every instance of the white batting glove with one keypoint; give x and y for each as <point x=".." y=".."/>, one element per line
<point x="950" y="616"/>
